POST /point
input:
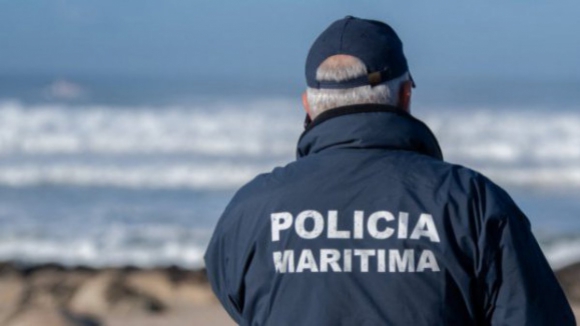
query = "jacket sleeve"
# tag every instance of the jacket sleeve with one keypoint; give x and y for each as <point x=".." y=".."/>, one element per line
<point x="521" y="287"/>
<point x="219" y="262"/>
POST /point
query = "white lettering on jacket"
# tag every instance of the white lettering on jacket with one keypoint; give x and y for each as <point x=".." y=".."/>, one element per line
<point x="423" y="228"/>
<point x="310" y="225"/>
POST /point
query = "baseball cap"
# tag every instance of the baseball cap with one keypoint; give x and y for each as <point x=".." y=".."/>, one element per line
<point x="373" y="42"/>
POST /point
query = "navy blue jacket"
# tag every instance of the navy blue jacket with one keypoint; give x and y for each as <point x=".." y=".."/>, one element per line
<point x="369" y="226"/>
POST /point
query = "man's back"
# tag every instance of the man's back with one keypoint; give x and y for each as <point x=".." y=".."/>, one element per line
<point x="370" y="227"/>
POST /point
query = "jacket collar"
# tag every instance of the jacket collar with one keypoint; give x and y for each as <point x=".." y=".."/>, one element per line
<point x="368" y="126"/>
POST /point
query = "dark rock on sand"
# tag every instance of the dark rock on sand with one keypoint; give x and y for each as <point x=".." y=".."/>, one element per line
<point x="59" y="296"/>
<point x="569" y="278"/>
<point x="48" y="317"/>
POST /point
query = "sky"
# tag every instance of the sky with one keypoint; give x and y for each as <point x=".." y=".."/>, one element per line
<point x="269" y="40"/>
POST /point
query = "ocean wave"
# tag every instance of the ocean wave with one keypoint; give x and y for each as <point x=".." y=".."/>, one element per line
<point x="254" y="128"/>
<point x="117" y="246"/>
<point x="213" y="176"/>
<point x="226" y="175"/>
<point x="516" y="137"/>
<point x="237" y="139"/>
<point x="270" y="127"/>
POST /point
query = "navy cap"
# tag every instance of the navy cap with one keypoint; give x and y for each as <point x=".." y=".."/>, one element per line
<point x="373" y="42"/>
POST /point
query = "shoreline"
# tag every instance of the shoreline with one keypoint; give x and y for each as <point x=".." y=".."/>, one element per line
<point x="56" y="295"/>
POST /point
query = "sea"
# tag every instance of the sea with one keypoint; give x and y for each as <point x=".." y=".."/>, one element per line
<point x="110" y="171"/>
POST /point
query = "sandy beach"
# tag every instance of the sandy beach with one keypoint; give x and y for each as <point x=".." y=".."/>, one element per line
<point x="51" y="295"/>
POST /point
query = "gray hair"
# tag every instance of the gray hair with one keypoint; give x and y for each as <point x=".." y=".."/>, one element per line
<point x="342" y="67"/>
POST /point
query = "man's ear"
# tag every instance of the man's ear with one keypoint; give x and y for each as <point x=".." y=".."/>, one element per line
<point x="405" y="96"/>
<point x="306" y="104"/>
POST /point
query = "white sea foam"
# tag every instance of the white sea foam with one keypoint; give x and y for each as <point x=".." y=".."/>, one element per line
<point x="118" y="246"/>
<point x="509" y="137"/>
<point x="222" y="144"/>
<point x="246" y="129"/>
<point x="218" y="175"/>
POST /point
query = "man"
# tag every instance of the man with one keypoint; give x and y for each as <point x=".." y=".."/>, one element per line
<point x="369" y="226"/>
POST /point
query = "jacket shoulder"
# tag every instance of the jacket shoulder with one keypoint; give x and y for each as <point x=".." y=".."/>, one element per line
<point x="251" y="197"/>
<point x="454" y="181"/>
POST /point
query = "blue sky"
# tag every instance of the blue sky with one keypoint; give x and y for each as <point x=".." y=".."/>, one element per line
<point x="269" y="39"/>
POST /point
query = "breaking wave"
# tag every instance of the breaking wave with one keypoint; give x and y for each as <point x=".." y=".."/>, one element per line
<point x="222" y="144"/>
<point x="222" y="129"/>
<point x="226" y="175"/>
<point x="119" y="246"/>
